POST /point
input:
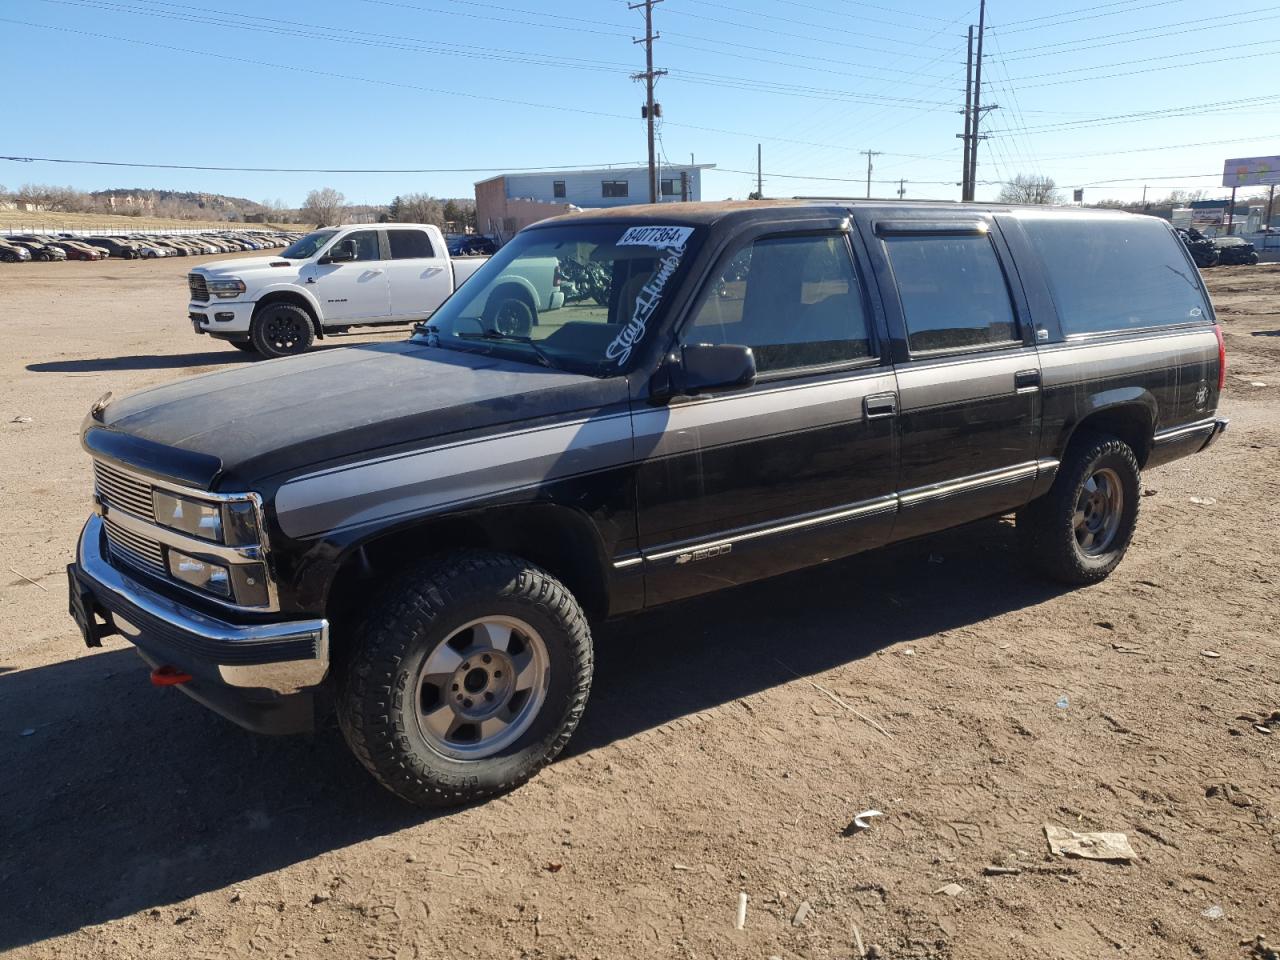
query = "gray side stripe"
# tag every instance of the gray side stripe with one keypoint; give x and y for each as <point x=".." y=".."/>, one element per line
<point x="1076" y="361"/>
<point x="452" y="474"/>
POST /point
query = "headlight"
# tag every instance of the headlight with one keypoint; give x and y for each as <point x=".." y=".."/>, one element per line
<point x="200" y="573"/>
<point x="226" y="287"/>
<point x="199" y="519"/>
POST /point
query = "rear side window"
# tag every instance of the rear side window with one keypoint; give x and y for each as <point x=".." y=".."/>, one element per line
<point x="1115" y="274"/>
<point x="953" y="292"/>
<point x="794" y="300"/>
<point x="409" y="244"/>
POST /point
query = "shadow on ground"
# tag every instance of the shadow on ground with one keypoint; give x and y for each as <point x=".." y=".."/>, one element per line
<point x="127" y="797"/>
<point x="148" y="361"/>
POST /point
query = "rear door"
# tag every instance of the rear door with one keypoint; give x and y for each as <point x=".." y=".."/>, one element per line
<point x="418" y="273"/>
<point x="799" y="467"/>
<point x="968" y="374"/>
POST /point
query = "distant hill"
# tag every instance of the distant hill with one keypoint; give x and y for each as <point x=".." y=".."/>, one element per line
<point x="175" y="203"/>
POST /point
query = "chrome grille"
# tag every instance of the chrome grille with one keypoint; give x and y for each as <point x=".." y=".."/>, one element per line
<point x="134" y="549"/>
<point x="199" y="287"/>
<point x="122" y="491"/>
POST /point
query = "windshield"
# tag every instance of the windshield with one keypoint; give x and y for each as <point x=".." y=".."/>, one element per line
<point x="580" y="297"/>
<point x="308" y="245"/>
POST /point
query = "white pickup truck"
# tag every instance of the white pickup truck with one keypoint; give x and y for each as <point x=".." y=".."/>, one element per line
<point x="343" y="277"/>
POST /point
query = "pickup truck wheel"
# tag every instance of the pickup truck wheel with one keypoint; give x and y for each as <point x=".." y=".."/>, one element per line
<point x="513" y="315"/>
<point x="468" y="675"/>
<point x="1079" y="531"/>
<point x="281" y="330"/>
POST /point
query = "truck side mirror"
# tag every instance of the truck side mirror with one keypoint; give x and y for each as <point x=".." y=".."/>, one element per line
<point x="342" y="252"/>
<point x="704" y="368"/>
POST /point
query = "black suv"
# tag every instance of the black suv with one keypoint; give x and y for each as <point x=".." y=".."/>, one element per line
<point x="435" y="525"/>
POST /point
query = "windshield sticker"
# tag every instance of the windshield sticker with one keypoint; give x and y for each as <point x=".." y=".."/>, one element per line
<point x="664" y="238"/>
<point x="650" y="295"/>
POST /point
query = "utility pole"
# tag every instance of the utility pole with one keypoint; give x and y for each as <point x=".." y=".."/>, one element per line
<point x="902" y="189"/>
<point x="759" y="175"/>
<point x="1144" y="196"/>
<point x="649" y="76"/>
<point x="968" y="117"/>
<point x="977" y="102"/>
<point x="869" y="154"/>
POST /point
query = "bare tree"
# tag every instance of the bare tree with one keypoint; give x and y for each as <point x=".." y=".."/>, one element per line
<point x="418" y="208"/>
<point x="1026" y="189"/>
<point x="324" y="207"/>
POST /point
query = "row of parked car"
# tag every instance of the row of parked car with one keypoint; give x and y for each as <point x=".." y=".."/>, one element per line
<point x="68" y="246"/>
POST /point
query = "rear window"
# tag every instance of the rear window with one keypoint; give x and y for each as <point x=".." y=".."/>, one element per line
<point x="1116" y="274"/>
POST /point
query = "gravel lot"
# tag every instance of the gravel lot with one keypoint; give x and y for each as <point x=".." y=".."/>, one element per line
<point x="724" y="750"/>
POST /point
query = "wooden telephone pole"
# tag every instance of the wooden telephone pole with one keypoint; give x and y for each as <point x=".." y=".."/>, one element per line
<point x="649" y="75"/>
<point x="973" y="108"/>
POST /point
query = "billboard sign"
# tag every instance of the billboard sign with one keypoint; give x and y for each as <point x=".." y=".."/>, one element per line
<point x="1251" y="171"/>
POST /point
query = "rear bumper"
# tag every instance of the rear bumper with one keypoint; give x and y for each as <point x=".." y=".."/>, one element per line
<point x="1220" y="425"/>
<point x="262" y="676"/>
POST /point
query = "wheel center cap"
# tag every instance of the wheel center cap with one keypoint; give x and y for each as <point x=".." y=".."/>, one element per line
<point x="475" y="680"/>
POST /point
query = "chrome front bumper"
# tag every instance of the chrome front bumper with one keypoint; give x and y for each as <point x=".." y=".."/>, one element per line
<point x="276" y="658"/>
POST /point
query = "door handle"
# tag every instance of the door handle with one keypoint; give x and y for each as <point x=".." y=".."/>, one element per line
<point x="374" y="273"/>
<point x="1026" y="380"/>
<point x="880" y="405"/>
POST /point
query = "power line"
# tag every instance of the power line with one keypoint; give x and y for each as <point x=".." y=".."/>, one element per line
<point x="192" y="166"/>
<point x="1183" y="110"/>
<point x="820" y="26"/>
<point x="1171" y="66"/>
<point x="1086" y="43"/>
<point x="1069" y="16"/>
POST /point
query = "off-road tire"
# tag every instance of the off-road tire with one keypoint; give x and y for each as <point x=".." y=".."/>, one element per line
<point x="265" y="332"/>
<point x="417" y="612"/>
<point x="1046" y="526"/>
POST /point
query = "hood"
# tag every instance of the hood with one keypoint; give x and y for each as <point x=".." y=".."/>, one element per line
<point x="238" y="268"/>
<point x="271" y="417"/>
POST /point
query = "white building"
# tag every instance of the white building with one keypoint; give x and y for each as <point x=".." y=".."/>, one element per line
<point x="511" y="201"/>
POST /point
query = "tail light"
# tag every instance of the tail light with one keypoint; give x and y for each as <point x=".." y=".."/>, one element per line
<point x="556" y="277"/>
<point x="1222" y="357"/>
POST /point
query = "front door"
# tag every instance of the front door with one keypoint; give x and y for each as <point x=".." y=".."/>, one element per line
<point x="356" y="289"/>
<point x="967" y="368"/>
<point x="417" y="273"/>
<point x="797" y="468"/>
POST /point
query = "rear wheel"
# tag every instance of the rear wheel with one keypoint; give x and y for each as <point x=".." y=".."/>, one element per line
<point x="1079" y="531"/>
<point x="468" y="675"/>
<point x="281" y="330"/>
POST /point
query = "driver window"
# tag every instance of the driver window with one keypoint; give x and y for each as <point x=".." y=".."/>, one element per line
<point x="366" y="243"/>
<point x="794" y="300"/>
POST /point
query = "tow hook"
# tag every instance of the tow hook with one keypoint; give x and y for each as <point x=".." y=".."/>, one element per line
<point x="168" y="677"/>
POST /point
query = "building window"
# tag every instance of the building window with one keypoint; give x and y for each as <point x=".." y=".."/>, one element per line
<point x="615" y="188"/>
<point x="669" y="188"/>
<point x="557" y="189"/>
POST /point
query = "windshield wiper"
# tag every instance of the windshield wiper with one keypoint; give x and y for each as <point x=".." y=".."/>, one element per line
<point x="501" y="337"/>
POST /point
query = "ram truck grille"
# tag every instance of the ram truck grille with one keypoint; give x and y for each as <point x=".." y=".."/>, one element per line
<point x="199" y="287"/>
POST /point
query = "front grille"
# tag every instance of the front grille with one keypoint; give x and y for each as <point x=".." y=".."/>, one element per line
<point x="122" y="491"/>
<point x="134" y="549"/>
<point x="199" y="287"/>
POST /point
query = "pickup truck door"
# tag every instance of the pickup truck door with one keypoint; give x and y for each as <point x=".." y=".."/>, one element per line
<point x="800" y="466"/>
<point x="418" y="273"/>
<point x="968" y="373"/>
<point x="355" y="290"/>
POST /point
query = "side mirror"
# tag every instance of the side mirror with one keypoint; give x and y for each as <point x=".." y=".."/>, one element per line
<point x="342" y="252"/>
<point x="705" y="368"/>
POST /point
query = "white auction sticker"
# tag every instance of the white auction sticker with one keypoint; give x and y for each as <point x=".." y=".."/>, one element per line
<point x="660" y="237"/>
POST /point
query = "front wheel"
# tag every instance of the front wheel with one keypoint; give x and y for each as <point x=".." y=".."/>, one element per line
<point x="281" y="330"/>
<point x="1079" y="531"/>
<point x="468" y="675"/>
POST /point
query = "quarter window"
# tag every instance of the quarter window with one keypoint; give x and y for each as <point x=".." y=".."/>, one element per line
<point x="794" y="300"/>
<point x="1115" y="274"/>
<point x="409" y="244"/>
<point x="953" y="292"/>
<point x="615" y="188"/>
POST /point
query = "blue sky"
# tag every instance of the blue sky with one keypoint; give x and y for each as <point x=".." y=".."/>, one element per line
<point x="447" y="84"/>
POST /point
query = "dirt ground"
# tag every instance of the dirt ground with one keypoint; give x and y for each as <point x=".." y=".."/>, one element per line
<point x="726" y="749"/>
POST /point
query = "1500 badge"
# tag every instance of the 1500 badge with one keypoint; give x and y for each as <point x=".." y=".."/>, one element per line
<point x="705" y="553"/>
